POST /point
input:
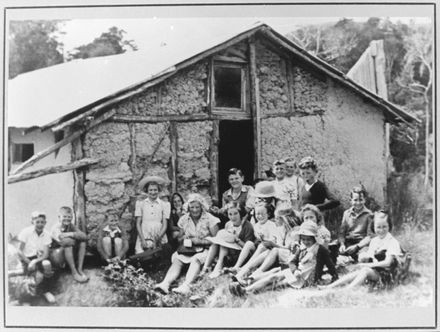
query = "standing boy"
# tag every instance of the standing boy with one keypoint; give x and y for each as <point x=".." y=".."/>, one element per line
<point x="68" y="239"/>
<point x="356" y="227"/>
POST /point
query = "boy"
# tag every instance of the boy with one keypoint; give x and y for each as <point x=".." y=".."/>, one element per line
<point x="355" y="232"/>
<point x="68" y="237"/>
<point x="33" y="251"/>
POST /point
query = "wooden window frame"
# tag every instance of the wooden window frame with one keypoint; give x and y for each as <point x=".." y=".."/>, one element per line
<point x="229" y="110"/>
<point x="15" y="146"/>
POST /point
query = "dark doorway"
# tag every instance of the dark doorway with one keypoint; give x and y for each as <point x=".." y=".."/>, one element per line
<point x="236" y="149"/>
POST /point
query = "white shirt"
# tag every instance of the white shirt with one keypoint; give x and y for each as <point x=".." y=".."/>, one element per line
<point x="34" y="243"/>
<point x="388" y="243"/>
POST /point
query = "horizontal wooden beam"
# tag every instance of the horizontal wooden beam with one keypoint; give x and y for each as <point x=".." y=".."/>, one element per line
<point x="229" y="59"/>
<point x="63" y="142"/>
<point x="52" y="170"/>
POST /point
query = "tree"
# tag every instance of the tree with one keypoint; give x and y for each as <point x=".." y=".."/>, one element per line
<point x="109" y="43"/>
<point x="33" y="45"/>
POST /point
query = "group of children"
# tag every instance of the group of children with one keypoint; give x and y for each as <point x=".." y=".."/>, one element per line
<point x="275" y="234"/>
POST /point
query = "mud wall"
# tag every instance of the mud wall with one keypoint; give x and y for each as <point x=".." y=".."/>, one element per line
<point x="183" y="93"/>
<point x="347" y="141"/>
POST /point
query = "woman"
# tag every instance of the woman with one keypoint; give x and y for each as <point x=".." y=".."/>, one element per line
<point x="195" y="226"/>
<point x="176" y="212"/>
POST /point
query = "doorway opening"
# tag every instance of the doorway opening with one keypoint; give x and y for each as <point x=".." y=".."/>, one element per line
<point x="235" y="150"/>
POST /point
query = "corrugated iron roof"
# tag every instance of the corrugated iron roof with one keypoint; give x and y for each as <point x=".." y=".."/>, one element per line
<point x="39" y="97"/>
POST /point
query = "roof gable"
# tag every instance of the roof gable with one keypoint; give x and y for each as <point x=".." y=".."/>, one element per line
<point x="73" y="89"/>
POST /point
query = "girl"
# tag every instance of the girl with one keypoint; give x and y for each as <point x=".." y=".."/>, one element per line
<point x="303" y="271"/>
<point x="151" y="216"/>
<point x="240" y="231"/>
<point x="286" y="218"/>
<point x="379" y="261"/>
<point x="312" y="213"/>
<point x="267" y="236"/>
<point x="176" y="212"/>
<point x="264" y="193"/>
<point x="112" y="240"/>
<point x="314" y="191"/>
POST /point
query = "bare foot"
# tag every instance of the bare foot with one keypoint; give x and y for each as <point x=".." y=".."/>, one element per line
<point x="82" y="274"/>
<point x="79" y="278"/>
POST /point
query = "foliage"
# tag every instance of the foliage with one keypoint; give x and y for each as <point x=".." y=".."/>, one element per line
<point x="109" y="43"/>
<point x="134" y="287"/>
<point x="33" y="45"/>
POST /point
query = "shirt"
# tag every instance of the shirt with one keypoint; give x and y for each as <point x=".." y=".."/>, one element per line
<point x="230" y="228"/>
<point x="112" y="233"/>
<point x="316" y="194"/>
<point x="244" y="199"/>
<point x="388" y="243"/>
<point x="265" y="232"/>
<point x="58" y="228"/>
<point x="356" y="226"/>
<point x="34" y="243"/>
<point x="202" y="229"/>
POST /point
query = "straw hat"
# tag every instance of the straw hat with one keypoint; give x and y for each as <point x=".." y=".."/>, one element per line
<point x="151" y="178"/>
<point x="308" y="228"/>
<point x="225" y="239"/>
<point x="264" y="189"/>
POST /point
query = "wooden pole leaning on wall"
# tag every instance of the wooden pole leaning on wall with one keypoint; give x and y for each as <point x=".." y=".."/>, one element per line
<point x="40" y="155"/>
<point x="79" y="180"/>
<point x="213" y="158"/>
<point x="255" y="107"/>
<point x="52" y="170"/>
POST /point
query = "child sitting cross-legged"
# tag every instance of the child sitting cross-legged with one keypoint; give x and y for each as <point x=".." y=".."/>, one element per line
<point x="229" y="242"/>
<point x="304" y="270"/>
<point x="378" y="263"/>
<point x="112" y="241"/>
<point x="33" y="253"/>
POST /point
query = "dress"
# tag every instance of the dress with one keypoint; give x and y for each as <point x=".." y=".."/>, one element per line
<point x="152" y="213"/>
<point x="201" y="231"/>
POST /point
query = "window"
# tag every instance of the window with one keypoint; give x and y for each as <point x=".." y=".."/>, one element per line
<point x="22" y="152"/>
<point x="228" y="87"/>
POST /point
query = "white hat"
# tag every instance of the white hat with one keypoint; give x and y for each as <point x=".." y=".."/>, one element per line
<point x="225" y="239"/>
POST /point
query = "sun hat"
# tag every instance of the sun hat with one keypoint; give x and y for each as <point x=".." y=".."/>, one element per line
<point x="307" y="162"/>
<point x="225" y="239"/>
<point x="308" y="228"/>
<point x="196" y="198"/>
<point x="152" y="178"/>
<point x="264" y="189"/>
<point x="37" y="214"/>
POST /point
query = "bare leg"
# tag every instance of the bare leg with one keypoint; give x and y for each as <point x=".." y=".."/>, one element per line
<point x="173" y="273"/>
<point x="193" y="271"/>
<point x="68" y="254"/>
<point x="248" y="248"/>
<point x="107" y="246"/>
<point x="342" y="281"/>
<point x="118" y="248"/>
<point x="256" y="259"/>
<point x="212" y="252"/>
<point x="363" y="275"/>
<point x="219" y="266"/>
<point x="269" y="279"/>
<point x="81" y="255"/>
<point x="47" y="268"/>
<point x="268" y="262"/>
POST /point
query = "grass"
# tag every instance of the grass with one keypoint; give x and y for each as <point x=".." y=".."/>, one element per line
<point x="418" y="290"/>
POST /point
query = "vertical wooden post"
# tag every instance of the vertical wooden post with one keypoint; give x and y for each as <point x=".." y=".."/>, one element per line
<point x="213" y="158"/>
<point x="79" y="179"/>
<point x="289" y="76"/>
<point x="211" y="82"/>
<point x="255" y="107"/>
<point x="388" y="161"/>
<point x="174" y="147"/>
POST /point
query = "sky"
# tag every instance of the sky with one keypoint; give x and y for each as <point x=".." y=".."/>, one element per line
<point x="148" y="32"/>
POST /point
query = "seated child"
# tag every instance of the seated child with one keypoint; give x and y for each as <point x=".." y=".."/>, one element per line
<point x="378" y="262"/>
<point x="267" y="234"/>
<point x="283" y="254"/>
<point x="304" y="270"/>
<point x="33" y="252"/>
<point x="241" y="232"/>
<point x="67" y="239"/>
<point x="112" y="240"/>
<point x="312" y="213"/>
<point x="355" y="231"/>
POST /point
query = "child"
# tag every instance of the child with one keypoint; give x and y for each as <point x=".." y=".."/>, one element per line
<point x="311" y="213"/>
<point x="176" y="212"/>
<point x="304" y="270"/>
<point x="266" y="234"/>
<point x="292" y="185"/>
<point x="314" y="191"/>
<point x="33" y="252"/>
<point x="112" y="240"/>
<point x="264" y="193"/>
<point x="379" y="261"/>
<point x="286" y="218"/>
<point x="151" y="216"/>
<point x="67" y="237"/>
<point x="355" y="232"/>
<point x="240" y="231"/>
